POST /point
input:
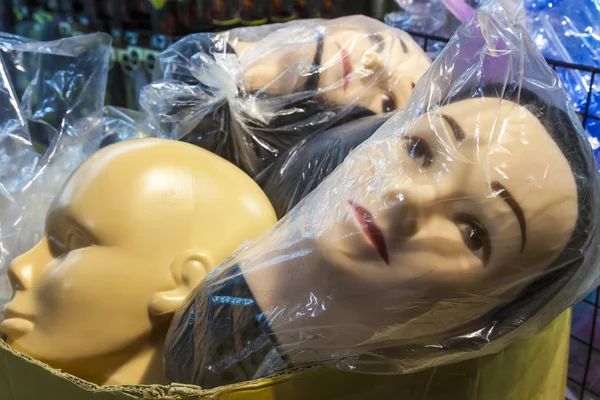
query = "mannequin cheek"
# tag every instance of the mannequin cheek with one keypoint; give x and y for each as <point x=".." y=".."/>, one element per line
<point x="451" y="269"/>
<point x="338" y="235"/>
<point x="402" y="90"/>
<point x="78" y="284"/>
<point x="371" y="98"/>
<point x="514" y="275"/>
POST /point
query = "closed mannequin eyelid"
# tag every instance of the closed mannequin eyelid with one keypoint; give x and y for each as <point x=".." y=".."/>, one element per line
<point x="77" y="240"/>
<point x="68" y="237"/>
<point x="61" y="224"/>
<point x="56" y="246"/>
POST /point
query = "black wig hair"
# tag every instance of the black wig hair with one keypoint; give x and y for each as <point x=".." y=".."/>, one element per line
<point x="253" y="145"/>
<point x="305" y="165"/>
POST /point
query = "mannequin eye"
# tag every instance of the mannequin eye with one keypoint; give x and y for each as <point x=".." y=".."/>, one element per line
<point x="419" y="150"/>
<point x="388" y="102"/>
<point x="475" y="236"/>
<point x="56" y="247"/>
<point x="76" y="241"/>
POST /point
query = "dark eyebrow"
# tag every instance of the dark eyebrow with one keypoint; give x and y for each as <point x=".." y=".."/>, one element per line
<point x="404" y="46"/>
<point x="512" y="203"/>
<point x="377" y="39"/>
<point x="458" y="132"/>
<point x="312" y="82"/>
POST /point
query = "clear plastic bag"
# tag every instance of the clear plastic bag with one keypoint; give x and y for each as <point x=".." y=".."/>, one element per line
<point x="464" y="9"/>
<point x="250" y="94"/>
<point x="119" y="124"/>
<point x="563" y="33"/>
<point x="299" y="171"/>
<point x="51" y="100"/>
<point x="468" y="220"/>
<point x="569" y="33"/>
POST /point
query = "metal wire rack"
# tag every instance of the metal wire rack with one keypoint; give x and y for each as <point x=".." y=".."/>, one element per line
<point x="587" y="103"/>
<point x="583" y="382"/>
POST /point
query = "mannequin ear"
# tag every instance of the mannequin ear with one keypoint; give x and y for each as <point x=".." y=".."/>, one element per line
<point x="188" y="270"/>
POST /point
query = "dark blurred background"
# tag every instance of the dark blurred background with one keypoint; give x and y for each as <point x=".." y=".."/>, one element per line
<point x="143" y="28"/>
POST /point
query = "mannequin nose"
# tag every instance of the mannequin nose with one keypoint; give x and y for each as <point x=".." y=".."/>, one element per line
<point x="20" y="273"/>
<point x="22" y="268"/>
<point x="419" y="195"/>
<point x="407" y="209"/>
<point x="372" y="60"/>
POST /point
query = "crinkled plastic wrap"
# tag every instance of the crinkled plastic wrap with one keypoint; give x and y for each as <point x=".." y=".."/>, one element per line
<point x="119" y="124"/>
<point x="468" y="220"/>
<point x="42" y="175"/>
<point x="595" y="143"/>
<point x="562" y="32"/>
<point x="299" y="171"/>
<point x="250" y="94"/>
<point x="51" y="99"/>
<point x="569" y="33"/>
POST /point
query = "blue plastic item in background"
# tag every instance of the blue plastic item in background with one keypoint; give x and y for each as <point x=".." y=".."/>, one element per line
<point x="564" y="30"/>
<point x="570" y="31"/>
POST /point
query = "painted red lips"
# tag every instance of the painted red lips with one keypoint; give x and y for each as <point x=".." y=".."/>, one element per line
<point x="346" y="65"/>
<point x="371" y="230"/>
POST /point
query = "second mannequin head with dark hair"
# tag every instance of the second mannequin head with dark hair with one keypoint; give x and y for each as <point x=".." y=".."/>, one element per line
<point x="295" y="80"/>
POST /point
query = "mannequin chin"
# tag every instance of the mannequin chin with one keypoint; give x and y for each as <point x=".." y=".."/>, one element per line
<point x="133" y="230"/>
<point x="464" y="213"/>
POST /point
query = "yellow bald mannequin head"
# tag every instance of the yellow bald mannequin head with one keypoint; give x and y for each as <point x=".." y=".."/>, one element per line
<point x="133" y="230"/>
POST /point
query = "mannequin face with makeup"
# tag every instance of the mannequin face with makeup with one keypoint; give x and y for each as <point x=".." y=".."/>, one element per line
<point x="362" y="62"/>
<point x="461" y="200"/>
<point x="421" y="229"/>
<point x="130" y="234"/>
<point x="378" y="70"/>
